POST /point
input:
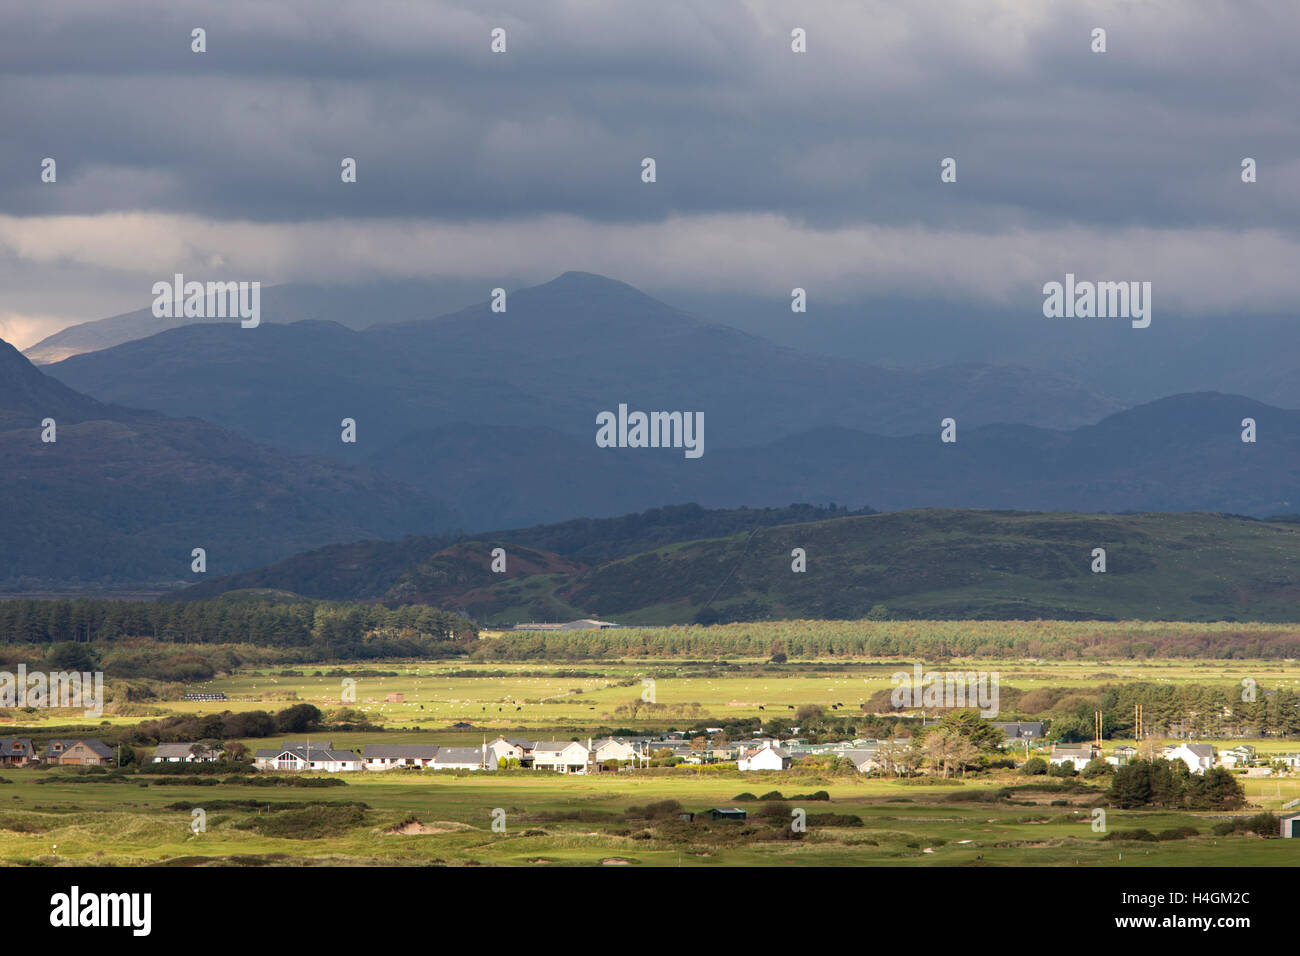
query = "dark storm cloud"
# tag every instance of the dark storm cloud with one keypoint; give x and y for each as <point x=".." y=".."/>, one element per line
<point x="1044" y="131"/>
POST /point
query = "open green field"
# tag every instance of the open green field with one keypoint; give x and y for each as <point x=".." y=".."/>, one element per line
<point x="554" y="820"/>
<point x="534" y="694"/>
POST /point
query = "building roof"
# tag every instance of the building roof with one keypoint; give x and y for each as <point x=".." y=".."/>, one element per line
<point x="8" y="747"/>
<point x="555" y="746"/>
<point x="96" y="746"/>
<point x="472" y="755"/>
<point x="317" y="752"/>
<point x="183" y="750"/>
<point x="401" y="751"/>
<point x="859" y="757"/>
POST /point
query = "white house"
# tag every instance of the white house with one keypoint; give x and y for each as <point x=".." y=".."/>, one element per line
<point x="307" y="756"/>
<point x="611" y="749"/>
<point x="186" y="753"/>
<point x="1198" y="757"/>
<point x="565" y="756"/>
<point x="390" y="756"/>
<point x="767" y="758"/>
<point x="863" y="760"/>
<point x="1290" y="826"/>
<point x="511" y="748"/>
<point x="1241" y="756"/>
<point x="1079" y="755"/>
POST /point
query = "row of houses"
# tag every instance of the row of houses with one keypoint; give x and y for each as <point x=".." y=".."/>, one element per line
<point x="561" y="756"/>
<point x="1198" y="757"/>
<point x="21" y="752"/>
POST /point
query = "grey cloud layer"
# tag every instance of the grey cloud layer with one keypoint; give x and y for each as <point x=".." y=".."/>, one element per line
<point x="775" y="169"/>
<point x="1045" y="132"/>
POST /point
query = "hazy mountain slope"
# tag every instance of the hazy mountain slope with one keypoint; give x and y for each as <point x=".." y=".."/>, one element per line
<point x="124" y="496"/>
<point x="1183" y="453"/>
<point x="356" y="306"/>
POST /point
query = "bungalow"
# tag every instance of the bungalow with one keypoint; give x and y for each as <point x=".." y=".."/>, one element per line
<point x="390" y="756"/>
<point x="1078" y="754"/>
<point x="307" y="756"/>
<point x="768" y="758"/>
<point x="17" y="752"/>
<point x="186" y="753"/>
<point x="1198" y="757"/>
<point x="863" y="760"/>
<point x="78" y="753"/>
<point x="463" y="758"/>
<point x="1290" y="761"/>
<point x="565" y="756"/>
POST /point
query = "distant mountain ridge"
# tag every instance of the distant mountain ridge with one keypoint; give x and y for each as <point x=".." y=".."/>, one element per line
<point x="559" y="354"/>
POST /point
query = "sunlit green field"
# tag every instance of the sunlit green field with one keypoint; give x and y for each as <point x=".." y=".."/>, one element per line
<point x="523" y="695"/>
<point x="904" y="823"/>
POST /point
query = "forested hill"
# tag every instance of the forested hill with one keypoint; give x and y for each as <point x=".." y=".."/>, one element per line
<point x="365" y="570"/>
<point x="923" y="564"/>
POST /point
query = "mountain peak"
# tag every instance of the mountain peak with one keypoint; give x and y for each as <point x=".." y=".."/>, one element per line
<point x="27" y="394"/>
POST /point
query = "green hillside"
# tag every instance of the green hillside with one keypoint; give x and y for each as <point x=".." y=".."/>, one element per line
<point x="937" y="564"/>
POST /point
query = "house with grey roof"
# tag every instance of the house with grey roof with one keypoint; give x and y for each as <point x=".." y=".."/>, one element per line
<point x="463" y="758"/>
<point x="769" y="757"/>
<point x="78" y="753"/>
<point x="391" y="756"/>
<point x="17" y="752"/>
<point x="1198" y="757"/>
<point x="1018" y="733"/>
<point x="186" y="753"/>
<point x="307" y="756"/>
<point x="863" y="761"/>
<point x="1076" y="754"/>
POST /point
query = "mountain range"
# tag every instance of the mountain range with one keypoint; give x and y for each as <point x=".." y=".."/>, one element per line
<point x="482" y="419"/>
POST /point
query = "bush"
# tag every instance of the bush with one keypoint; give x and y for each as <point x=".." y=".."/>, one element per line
<point x="1096" y="767"/>
<point x="1264" y="824"/>
<point x="1144" y="836"/>
<point x="310" y="823"/>
<point x="738" y="798"/>
<point x="654" y="811"/>
<point x="1034" y="766"/>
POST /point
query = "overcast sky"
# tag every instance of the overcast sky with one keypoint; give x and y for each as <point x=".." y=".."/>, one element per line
<point x="775" y="169"/>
